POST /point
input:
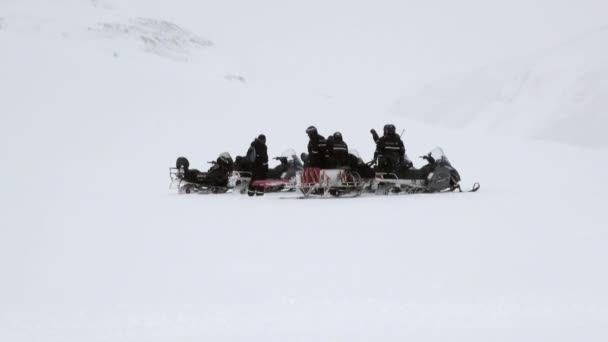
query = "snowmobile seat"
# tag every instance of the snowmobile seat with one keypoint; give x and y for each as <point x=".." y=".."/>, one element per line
<point x="413" y="173"/>
<point x="182" y="163"/>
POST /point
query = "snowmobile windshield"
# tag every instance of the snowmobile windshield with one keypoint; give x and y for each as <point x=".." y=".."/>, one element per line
<point x="225" y="156"/>
<point x="289" y="153"/>
<point x="356" y="154"/>
<point x="438" y="154"/>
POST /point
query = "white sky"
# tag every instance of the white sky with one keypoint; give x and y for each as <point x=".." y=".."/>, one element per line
<point x="383" y="48"/>
<point x="367" y="52"/>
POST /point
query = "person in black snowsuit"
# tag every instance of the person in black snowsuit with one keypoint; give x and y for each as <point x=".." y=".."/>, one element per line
<point x="375" y="135"/>
<point x="390" y="151"/>
<point x="357" y="165"/>
<point x="317" y="148"/>
<point x="217" y="175"/>
<point x="329" y="143"/>
<point x="338" y="151"/>
<point x="257" y="156"/>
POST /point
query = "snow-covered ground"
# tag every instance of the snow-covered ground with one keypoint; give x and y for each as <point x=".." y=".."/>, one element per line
<point x="98" y="98"/>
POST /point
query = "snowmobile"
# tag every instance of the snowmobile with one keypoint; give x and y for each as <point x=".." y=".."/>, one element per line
<point x="214" y="181"/>
<point x="438" y="175"/>
<point x="349" y="181"/>
<point x="280" y="178"/>
<point x="357" y="165"/>
<point x="343" y="182"/>
<point x="336" y="182"/>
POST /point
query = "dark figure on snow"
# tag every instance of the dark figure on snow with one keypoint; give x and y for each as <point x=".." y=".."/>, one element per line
<point x="217" y="175"/>
<point x="317" y="148"/>
<point x="357" y="165"/>
<point x="390" y="151"/>
<point x="338" y="151"/>
<point x="375" y="135"/>
<point x="257" y="156"/>
<point x="329" y="143"/>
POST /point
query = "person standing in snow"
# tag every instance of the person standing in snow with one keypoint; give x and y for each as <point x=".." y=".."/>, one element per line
<point x="257" y="156"/>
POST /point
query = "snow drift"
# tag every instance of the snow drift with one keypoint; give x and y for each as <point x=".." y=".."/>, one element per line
<point x="560" y="94"/>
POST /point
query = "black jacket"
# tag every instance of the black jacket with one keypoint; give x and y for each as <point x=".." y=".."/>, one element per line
<point x="257" y="155"/>
<point x="390" y="146"/>
<point x="338" y="153"/>
<point x="317" y="148"/>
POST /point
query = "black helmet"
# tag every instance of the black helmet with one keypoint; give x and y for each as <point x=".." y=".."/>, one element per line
<point x="262" y="138"/>
<point x="338" y="136"/>
<point x="386" y="129"/>
<point x="312" y="130"/>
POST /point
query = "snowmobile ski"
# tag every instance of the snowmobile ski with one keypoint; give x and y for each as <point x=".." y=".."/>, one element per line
<point x="475" y="187"/>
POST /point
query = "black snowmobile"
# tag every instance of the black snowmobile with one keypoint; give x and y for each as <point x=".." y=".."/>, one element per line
<point x="214" y="181"/>
<point x="438" y="175"/>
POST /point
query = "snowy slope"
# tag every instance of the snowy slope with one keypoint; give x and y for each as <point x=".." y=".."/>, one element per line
<point x="558" y="94"/>
<point x="98" y="98"/>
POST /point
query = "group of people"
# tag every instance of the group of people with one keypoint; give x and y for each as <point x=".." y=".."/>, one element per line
<point x="390" y="160"/>
<point x="332" y="152"/>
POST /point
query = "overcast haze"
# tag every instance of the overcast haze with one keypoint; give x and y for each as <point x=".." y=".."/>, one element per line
<point x="98" y="98"/>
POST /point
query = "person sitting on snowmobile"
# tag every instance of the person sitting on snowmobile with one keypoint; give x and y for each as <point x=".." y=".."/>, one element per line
<point x="217" y="175"/>
<point x="357" y="165"/>
<point x="438" y="173"/>
<point x="375" y="135"/>
<point x="338" y="151"/>
<point x="317" y="147"/>
<point x="390" y="151"/>
<point x="329" y="142"/>
<point x="221" y="169"/>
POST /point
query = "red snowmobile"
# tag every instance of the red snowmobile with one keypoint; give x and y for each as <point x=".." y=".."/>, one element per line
<point x="280" y="178"/>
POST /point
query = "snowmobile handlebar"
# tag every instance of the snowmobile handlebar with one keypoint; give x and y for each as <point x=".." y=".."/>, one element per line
<point x="428" y="158"/>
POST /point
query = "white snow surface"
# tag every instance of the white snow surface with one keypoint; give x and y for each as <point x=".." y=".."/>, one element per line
<point x="98" y="98"/>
